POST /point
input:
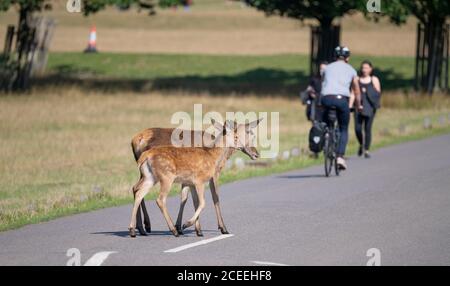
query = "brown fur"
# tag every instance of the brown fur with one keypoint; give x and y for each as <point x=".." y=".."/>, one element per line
<point x="192" y="165"/>
<point x="189" y="166"/>
<point x="153" y="137"/>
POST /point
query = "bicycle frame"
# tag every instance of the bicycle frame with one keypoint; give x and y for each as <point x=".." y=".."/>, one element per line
<point x="331" y="143"/>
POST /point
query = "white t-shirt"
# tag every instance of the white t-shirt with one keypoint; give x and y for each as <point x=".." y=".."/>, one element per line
<point x="337" y="79"/>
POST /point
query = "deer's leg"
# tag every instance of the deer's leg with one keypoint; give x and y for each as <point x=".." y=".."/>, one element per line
<point x="148" y="226"/>
<point x="140" y="190"/>
<point x="195" y="200"/>
<point x="184" y="197"/>
<point x="139" y="226"/>
<point x="161" y="201"/>
<point x="201" y="205"/>
<point x="215" y="196"/>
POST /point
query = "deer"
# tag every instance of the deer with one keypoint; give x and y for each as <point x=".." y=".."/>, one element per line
<point x="190" y="166"/>
<point x="145" y="140"/>
<point x="151" y="137"/>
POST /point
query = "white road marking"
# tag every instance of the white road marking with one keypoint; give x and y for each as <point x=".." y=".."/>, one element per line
<point x="98" y="258"/>
<point x="198" y="243"/>
<point x="267" y="263"/>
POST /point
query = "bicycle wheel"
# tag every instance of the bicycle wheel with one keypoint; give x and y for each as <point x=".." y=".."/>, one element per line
<point x="327" y="154"/>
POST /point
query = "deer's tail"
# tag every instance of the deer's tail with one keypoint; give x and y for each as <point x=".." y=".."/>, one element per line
<point x="135" y="146"/>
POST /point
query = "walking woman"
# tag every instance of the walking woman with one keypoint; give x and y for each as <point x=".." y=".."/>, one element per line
<point x="370" y="97"/>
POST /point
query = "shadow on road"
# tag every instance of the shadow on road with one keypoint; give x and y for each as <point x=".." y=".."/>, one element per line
<point x="126" y="233"/>
<point x="154" y="232"/>
<point x="301" y="176"/>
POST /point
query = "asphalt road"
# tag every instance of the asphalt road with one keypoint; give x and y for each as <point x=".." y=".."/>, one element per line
<point x="397" y="202"/>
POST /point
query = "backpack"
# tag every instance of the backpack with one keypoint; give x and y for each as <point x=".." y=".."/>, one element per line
<point x="316" y="137"/>
<point x="374" y="98"/>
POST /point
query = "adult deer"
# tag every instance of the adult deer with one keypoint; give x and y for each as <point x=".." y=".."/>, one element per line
<point x="190" y="166"/>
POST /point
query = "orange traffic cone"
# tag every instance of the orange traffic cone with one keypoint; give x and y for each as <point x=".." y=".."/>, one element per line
<point x="92" y="44"/>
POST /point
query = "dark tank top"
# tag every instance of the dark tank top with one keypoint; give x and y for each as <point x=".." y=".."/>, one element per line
<point x="368" y="109"/>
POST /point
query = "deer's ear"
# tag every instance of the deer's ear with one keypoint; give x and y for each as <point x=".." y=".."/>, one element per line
<point x="253" y="124"/>
<point x="217" y="125"/>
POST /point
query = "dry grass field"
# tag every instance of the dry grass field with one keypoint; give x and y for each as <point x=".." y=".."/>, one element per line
<point x="215" y="27"/>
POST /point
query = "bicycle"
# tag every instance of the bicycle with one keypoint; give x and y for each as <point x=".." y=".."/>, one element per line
<point x="331" y="141"/>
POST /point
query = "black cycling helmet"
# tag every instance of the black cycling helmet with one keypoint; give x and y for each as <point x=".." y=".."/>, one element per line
<point x="342" y="52"/>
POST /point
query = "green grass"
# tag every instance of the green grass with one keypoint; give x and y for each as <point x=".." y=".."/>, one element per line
<point x="215" y="74"/>
<point x="152" y="66"/>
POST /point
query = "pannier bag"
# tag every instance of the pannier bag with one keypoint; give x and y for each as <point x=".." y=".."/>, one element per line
<point x="316" y="137"/>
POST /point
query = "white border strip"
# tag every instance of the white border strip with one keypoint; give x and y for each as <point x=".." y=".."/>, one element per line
<point x="268" y="263"/>
<point x="198" y="243"/>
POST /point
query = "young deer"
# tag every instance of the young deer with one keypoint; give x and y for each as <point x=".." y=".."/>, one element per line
<point x="190" y="166"/>
<point x="150" y="138"/>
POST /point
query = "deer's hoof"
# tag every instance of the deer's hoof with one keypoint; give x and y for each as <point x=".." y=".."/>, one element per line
<point x="223" y="230"/>
<point x="175" y="232"/>
<point x="179" y="229"/>
<point x="132" y="232"/>
<point x="148" y="229"/>
<point x="199" y="233"/>
<point x="141" y="231"/>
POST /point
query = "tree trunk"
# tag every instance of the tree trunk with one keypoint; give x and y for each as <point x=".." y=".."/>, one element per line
<point x="24" y="42"/>
<point x="431" y="58"/>
<point x="324" y="39"/>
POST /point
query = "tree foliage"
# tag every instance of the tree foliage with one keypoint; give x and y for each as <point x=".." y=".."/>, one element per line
<point x="90" y="6"/>
<point x="33" y="5"/>
<point x="426" y="11"/>
<point x="324" y="11"/>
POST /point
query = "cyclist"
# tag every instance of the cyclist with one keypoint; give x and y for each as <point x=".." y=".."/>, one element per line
<point x="338" y="78"/>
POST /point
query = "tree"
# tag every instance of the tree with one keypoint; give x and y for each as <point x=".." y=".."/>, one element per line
<point x="432" y="44"/>
<point x="325" y="12"/>
<point x="25" y="32"/>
